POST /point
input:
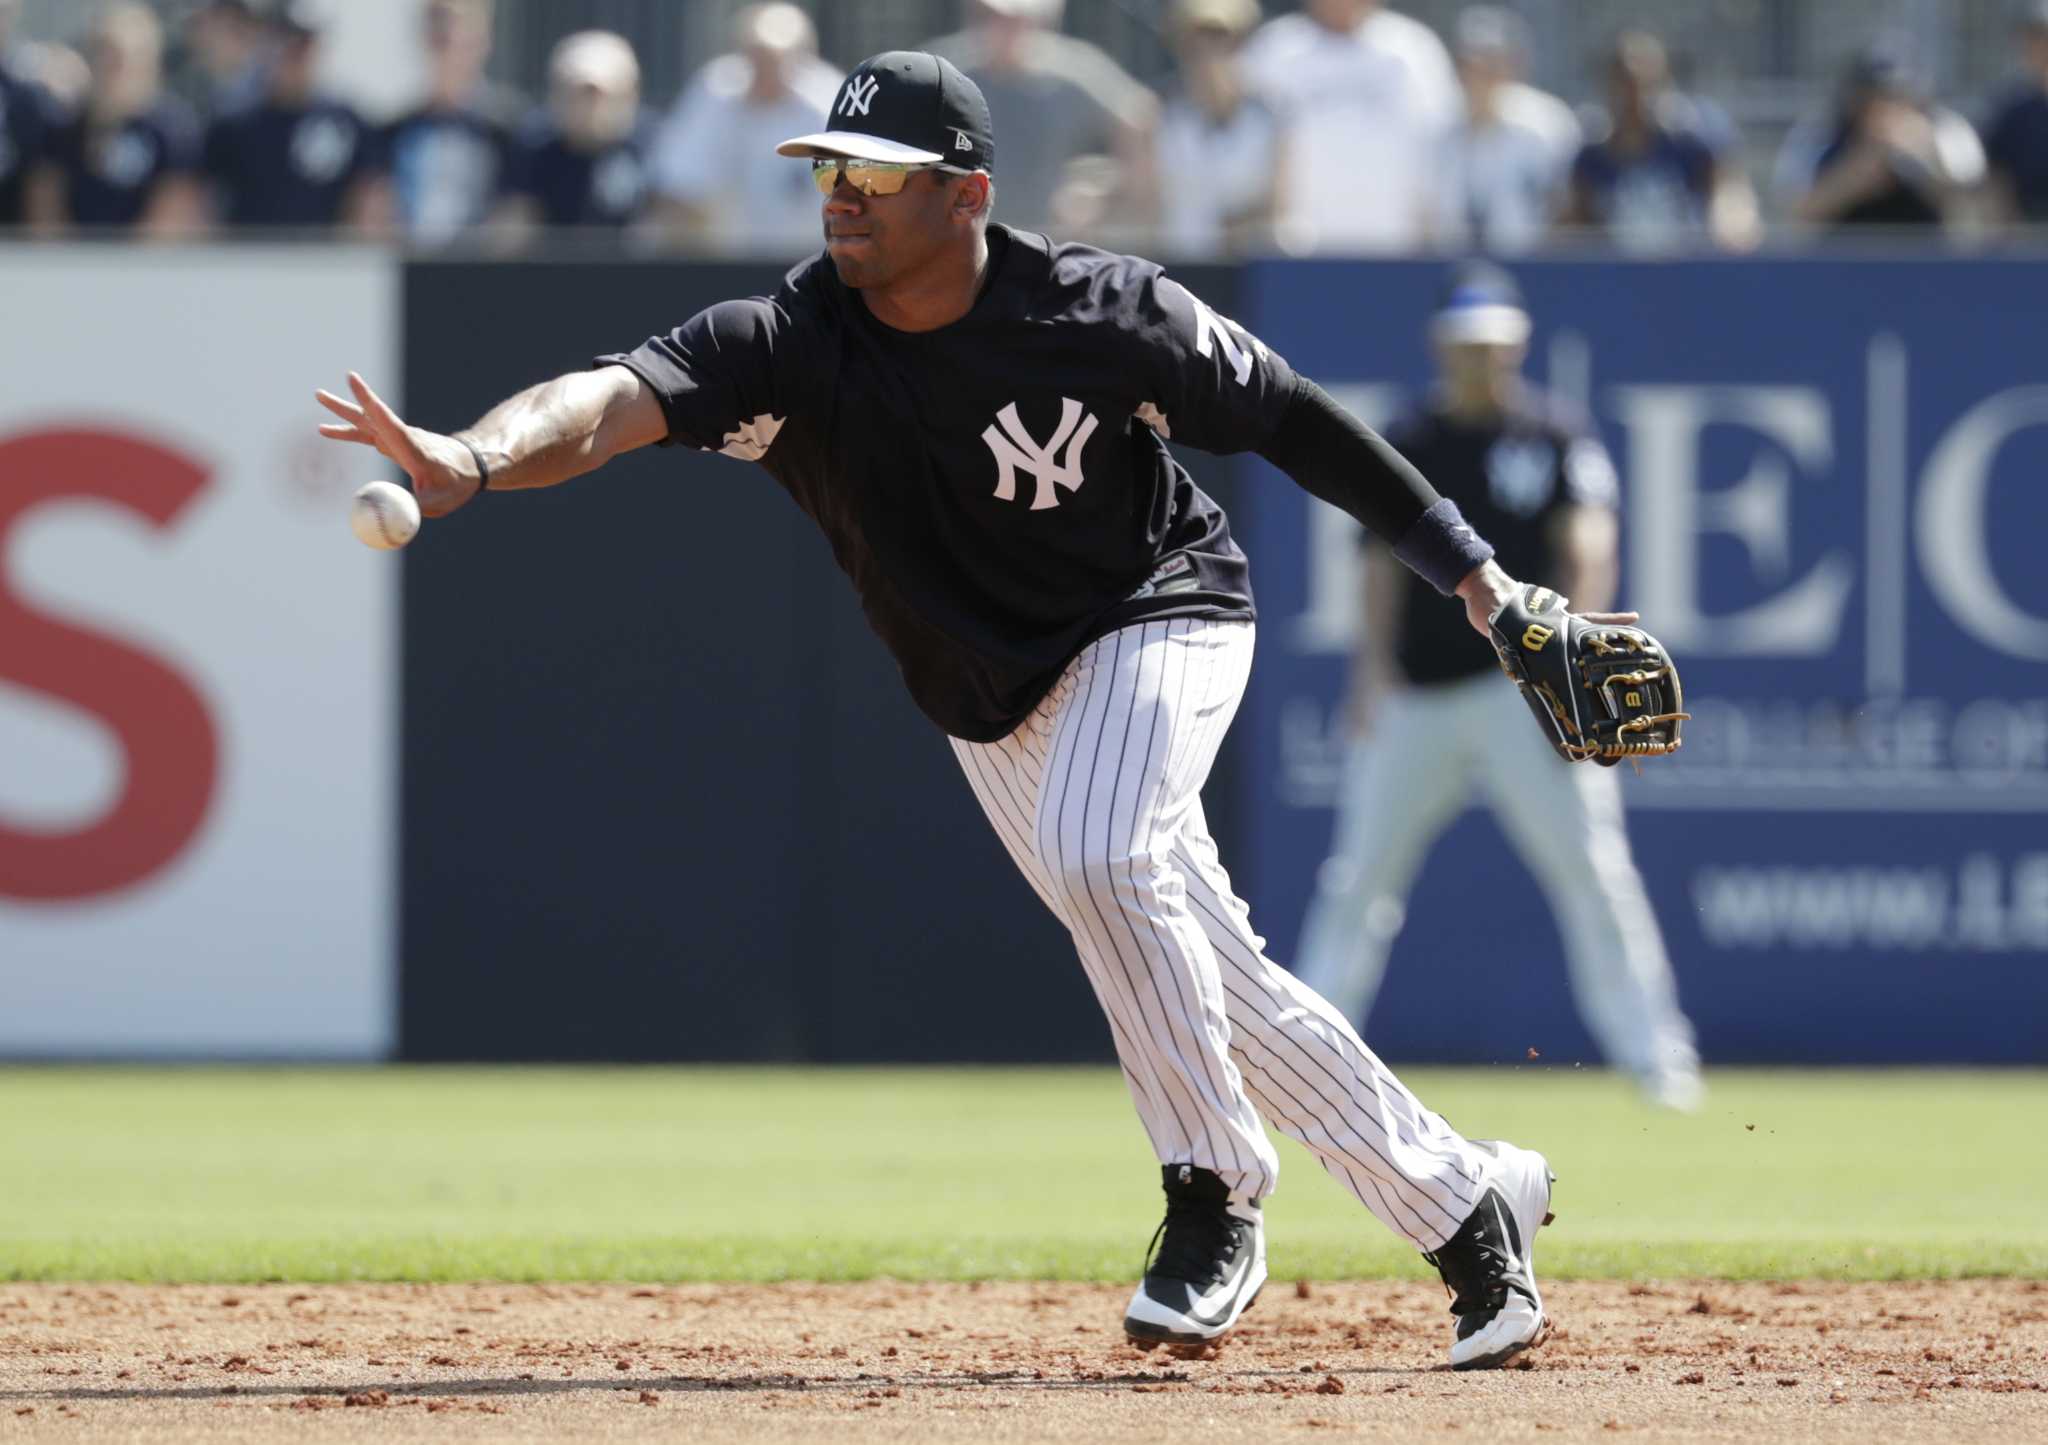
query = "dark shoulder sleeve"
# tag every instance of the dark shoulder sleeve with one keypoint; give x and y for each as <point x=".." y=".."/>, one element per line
<point x="715" y="377"/>
<point x="369" y="157"/>
<point x="1999" y="138"/>
<point x="1585" y="472"/>
<point x="35" y="117"/>
<point x="522" y="156"/>
<point x="1700" y="163"/>
<point x="178" y="131"/>
<point x="63" y="144"/>
<point x="500" y="119"/>
<point x="1210" y="383"/>
<point x="217" y="149"/>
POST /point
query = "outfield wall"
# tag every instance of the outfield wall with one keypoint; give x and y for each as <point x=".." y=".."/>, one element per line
<point x="632" y="780"/>
<point x="1834" y="501"/>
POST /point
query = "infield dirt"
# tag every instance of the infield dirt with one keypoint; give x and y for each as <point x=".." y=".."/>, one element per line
<point x="1000" y="1362"/>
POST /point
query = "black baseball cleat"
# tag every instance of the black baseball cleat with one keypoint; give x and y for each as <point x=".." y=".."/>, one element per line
<point x="1489" y="1266"/>
<point x="1207" y="1264"/>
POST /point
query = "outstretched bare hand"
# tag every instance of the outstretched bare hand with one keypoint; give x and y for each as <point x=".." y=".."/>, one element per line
<point x="443" y="473"/>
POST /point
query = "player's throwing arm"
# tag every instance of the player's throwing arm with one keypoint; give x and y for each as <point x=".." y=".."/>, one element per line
<point x="544" y="435"/>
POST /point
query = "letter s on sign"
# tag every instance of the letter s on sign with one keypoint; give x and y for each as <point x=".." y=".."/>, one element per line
<point x="164" y="729"/>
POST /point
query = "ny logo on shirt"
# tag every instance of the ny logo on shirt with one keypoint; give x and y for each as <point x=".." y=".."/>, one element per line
<point x="1014" y="447"/>
<point x="1521" y="474"/>
<point x="860" y="94"/>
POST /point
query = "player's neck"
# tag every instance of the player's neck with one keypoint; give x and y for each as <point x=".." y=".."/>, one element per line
<point x="937" y="295"/>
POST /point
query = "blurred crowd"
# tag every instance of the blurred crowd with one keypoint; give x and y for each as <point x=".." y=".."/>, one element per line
<point x="1342" y="127"/>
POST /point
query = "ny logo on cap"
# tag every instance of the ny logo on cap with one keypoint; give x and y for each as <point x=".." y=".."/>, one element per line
<point x="1015" y="447"/>
<point x="860" y="93"/>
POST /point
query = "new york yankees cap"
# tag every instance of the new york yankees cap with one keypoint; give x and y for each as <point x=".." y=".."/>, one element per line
<point x="907" y="106"/>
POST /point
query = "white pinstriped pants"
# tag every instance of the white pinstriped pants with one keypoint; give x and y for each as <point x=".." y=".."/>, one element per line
<point x="1097" y="797"/>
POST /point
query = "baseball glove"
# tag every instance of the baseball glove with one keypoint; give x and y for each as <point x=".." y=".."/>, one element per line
<point x="1600" y="690"/>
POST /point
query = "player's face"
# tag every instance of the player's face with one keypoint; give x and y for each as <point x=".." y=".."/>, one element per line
<point x="877" y="240"/>
<point x="1476" y="369"/>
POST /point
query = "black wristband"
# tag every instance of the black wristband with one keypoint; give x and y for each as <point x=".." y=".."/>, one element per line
<point x="483" y="473"/>
<point x="1442" y="547"/>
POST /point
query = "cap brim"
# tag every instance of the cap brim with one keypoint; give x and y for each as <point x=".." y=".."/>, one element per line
<point x="856" y="146"/>
<point x="1482" y="326"/>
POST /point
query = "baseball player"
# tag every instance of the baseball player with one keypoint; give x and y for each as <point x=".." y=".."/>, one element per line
<point x="976" y="417"/>
<point x="1431" y="721"/>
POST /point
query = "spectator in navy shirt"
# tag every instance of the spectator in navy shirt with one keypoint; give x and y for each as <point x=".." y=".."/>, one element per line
<point x="2016" y="140"/>
<point x="26" y="115"/>
<point x="1650" y="179"/>
<point x="129" y="157"/>
<point x="450" y="156"/>
<point x="297" y="157"/>
<point x="1887" y="157"/>
<point x="583" y="160"/>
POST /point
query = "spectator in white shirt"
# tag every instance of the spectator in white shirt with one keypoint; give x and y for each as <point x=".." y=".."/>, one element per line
<point x="1219" y="147"/>
<point x="1365" y="97"/>
<point x="718" y="178"/>
<point x="1505" y="162"/>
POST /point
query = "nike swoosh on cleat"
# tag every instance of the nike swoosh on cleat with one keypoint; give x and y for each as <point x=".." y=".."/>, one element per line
<point x="1513" y="1237"/>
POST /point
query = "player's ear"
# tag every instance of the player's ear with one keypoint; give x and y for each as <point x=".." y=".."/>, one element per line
<point x="971" y="200"/>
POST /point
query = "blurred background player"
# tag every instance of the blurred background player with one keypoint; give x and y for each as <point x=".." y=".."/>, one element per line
<point x="1887" y="157"/>
<point x="1654" y="177"/>
<point x="298" y="157"/>
<point x="717" y="179"/>
<point x="450" y="154"/>
<point x="1219" y="145"/>
<point x="1362" y="93"/>
<point x="129" y="157"/>
<point x="1429" y="717"/>
<point x="1504" y="164"/>
<point x="583" y="160"/>
<point x="1077" y="129"/>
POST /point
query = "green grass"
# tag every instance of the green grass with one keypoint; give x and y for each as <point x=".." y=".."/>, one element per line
<point x="695" y="1174"/>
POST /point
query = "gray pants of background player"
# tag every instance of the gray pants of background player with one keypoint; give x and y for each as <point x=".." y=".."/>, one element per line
<point x="1097" y="798"/>
<point x="1403" y="783"/>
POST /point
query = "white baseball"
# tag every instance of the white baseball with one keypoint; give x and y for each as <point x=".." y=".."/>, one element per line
<point x="384" y="515"/>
